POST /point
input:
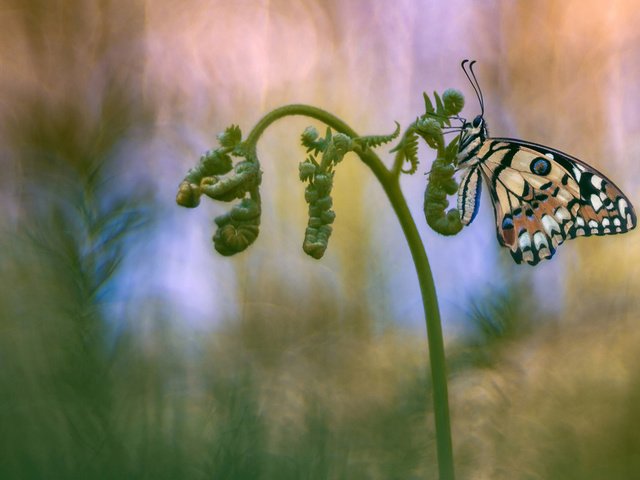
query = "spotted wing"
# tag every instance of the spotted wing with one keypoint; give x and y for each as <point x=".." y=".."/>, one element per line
<point x="542" y="196"/>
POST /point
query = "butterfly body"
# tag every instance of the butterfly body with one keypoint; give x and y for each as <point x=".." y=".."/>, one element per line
<point x="540" y="196"/>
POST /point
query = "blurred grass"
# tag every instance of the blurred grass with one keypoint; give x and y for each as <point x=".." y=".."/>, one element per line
<point x="293" y="396"/>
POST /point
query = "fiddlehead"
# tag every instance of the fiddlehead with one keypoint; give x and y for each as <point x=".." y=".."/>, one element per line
<point x="440" y="182"/>
<point x="217" y="177"/>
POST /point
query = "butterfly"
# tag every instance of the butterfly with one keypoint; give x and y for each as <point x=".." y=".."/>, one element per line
<point x="540" y="196"/>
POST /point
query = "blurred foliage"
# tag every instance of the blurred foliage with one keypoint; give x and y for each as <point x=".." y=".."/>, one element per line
<point x="294" y="395"/>
<point x="497" y="317"/>
<point x="291" y="394"/>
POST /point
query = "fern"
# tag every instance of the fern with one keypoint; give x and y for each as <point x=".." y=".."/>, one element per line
<point x="373" y="141"/>
<point x="407" y="151"/>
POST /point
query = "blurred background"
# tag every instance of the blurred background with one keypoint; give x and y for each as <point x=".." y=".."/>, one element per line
<point x="130" y="349"/>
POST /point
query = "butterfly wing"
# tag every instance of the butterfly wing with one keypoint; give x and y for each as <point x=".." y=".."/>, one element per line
<point x="542" y="196"/>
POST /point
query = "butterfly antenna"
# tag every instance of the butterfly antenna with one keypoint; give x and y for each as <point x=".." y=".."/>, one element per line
<point x="480" y="96"/>
<point x="473" y="81"/>
<point x="462" y="120"/>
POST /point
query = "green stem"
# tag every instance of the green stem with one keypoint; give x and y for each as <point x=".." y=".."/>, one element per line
<point x="390" y="184"/>
<point x="434" y="329"/>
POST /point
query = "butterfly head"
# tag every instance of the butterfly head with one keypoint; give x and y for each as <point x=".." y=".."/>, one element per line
<point x="476" y="128"/>
<point x="472" y="137"/>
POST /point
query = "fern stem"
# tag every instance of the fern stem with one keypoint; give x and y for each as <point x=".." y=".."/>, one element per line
<point x="434" y="329"/>
<point x="390" y="183"/>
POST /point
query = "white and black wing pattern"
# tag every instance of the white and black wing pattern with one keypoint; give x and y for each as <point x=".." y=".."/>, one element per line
<point x="469" y="193"/>
<point x="541" y="197"/>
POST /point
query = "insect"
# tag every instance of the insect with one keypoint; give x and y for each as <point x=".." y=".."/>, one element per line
<point x="540" y="196"/>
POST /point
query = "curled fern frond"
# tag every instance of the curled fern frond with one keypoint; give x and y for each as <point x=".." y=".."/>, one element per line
<point x="440" y="182"/>
<point x="217" y="177"/>
<point x="310" y="140"/>
<point x="307" y="169"/>
<point x="337" y="147"/>
<point x="448" y="105"/>
<point x="323" y="183"/>
<point x="188" y="194"/>
<point x="231" y="137"/>
<point x="318" y="231"/>
<point x="435" y="204"/>
<point x="246" y="177"/>
<point x="453" y="101"/>
<point x="317" y="194"/>
<point x="215" y="162"/>
<point x="373" y="141"/>
<point x="247" y="210"/>
<point x="212" y="162"/>
<point x="238" y="228"/>
<point x="431" y="131"/>
<point x="310" y="134"/>
<point x="316" y="240"/>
